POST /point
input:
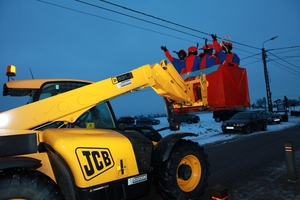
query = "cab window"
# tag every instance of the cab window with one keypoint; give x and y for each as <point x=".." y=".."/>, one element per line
<point x="98" y="116"/>
<point x="53" y="88"/>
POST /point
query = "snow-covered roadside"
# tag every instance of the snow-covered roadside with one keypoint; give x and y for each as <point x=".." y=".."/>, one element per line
<point x="209" y="131"/>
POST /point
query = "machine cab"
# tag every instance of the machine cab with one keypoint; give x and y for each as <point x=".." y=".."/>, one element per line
<point x="99" y="116"/>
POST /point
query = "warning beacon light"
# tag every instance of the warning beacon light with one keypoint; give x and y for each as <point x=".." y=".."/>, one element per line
<point x="10" y="71"/>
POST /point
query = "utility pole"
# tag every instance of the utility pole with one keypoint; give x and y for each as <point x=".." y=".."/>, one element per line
<point x="264" y="56"/>
<point x="269" y="98"/>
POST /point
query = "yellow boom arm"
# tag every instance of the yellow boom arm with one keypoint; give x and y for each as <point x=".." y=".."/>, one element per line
<point x="162" y="78"/>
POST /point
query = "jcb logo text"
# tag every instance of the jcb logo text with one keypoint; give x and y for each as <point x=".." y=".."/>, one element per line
<point x="94" y="161"/>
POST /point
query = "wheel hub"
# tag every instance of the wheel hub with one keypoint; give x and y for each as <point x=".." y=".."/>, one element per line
<point x="184" y="172"/>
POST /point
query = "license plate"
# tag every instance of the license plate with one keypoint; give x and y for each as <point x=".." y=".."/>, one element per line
<point x="229" y="127"/>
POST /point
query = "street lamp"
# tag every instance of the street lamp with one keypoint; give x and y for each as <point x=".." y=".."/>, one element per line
<point x="270" y="106"/>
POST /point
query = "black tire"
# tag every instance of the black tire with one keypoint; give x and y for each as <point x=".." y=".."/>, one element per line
<point x="26" y="184"/>
<point x="247" y="129"/>
<point x="189" y="121"/>
<point x="174" y="175"/>
<point x="224" y="131"/>
<point x="264" y="127"/>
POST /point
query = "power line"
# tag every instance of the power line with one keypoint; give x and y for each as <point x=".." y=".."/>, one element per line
<point x="291" y="47"/>
<point x="150" y="30"/>
<point x="251" y="63"/>
<point x="97" y="16"/>
<point x="173" y="23"/>
<point x="100" y="7"/>
<point x="251" y="56"/>
<point x="285" y="61"/>
<point x="285" y="68"/>
<point x="153" y="23"/>
<point x="288" y="51"/>
<point x="287" y="57"/>
<point x="157" y="18"/>
<point x="291" y="57"/>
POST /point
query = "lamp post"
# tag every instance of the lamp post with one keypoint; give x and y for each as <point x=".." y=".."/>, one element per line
<point x="264" y="56"/>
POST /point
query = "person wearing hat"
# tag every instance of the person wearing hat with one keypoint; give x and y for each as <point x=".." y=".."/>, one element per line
<point x="192" y="60"/>
<point x="208" y="59"/>
<point x="224" y="53"/>
<point x="178" y="63"/>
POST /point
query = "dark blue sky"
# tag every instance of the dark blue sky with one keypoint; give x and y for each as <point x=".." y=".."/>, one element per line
<point x="76" y="40"/>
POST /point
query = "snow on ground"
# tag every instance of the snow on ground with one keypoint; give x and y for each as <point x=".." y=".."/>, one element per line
<point x="209" y="131"/>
